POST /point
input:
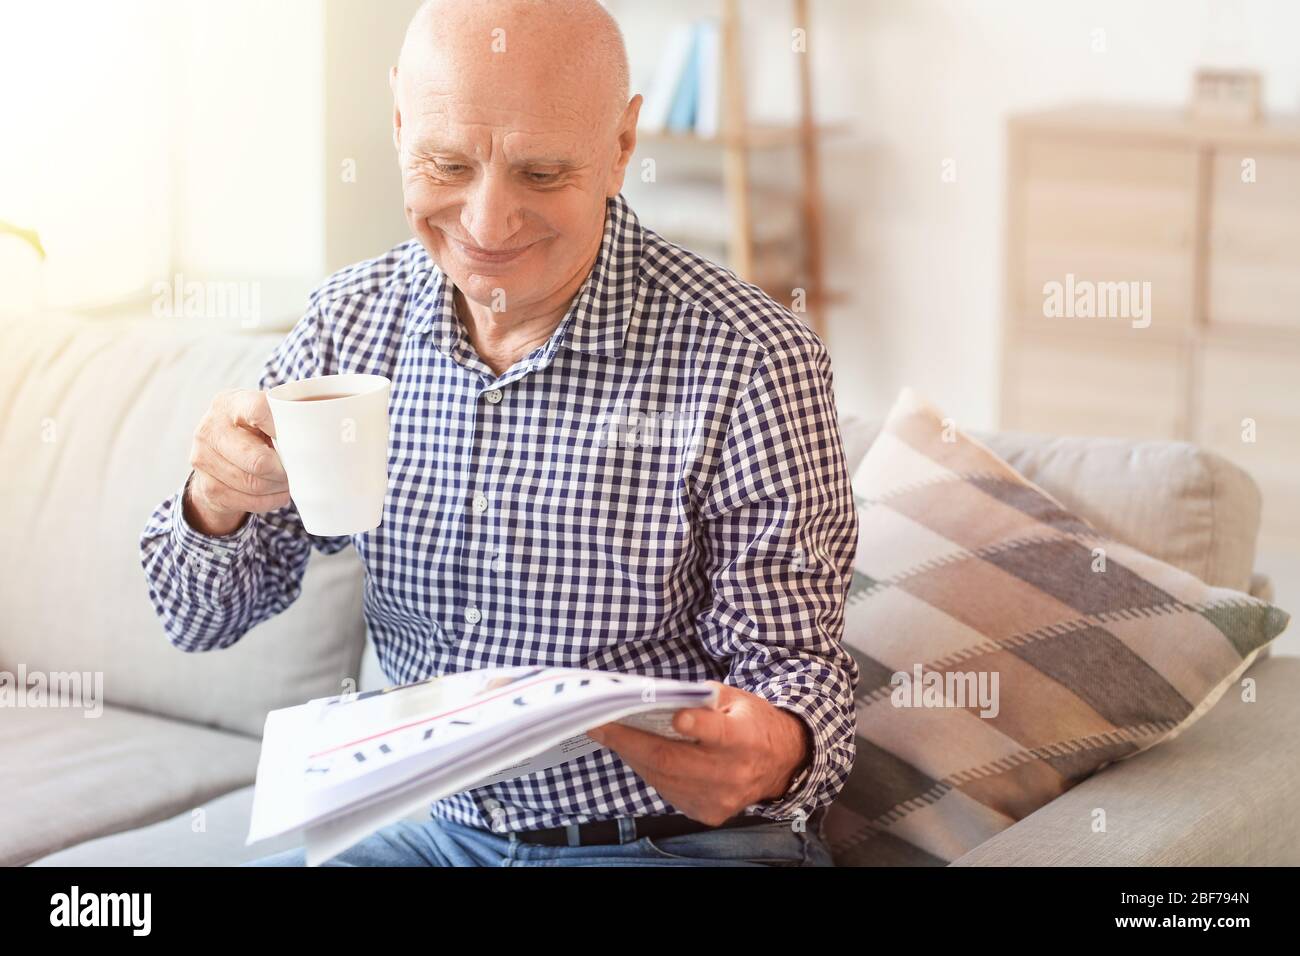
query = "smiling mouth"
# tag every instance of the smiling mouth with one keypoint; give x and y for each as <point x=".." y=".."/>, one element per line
<point x="491" y="256"/>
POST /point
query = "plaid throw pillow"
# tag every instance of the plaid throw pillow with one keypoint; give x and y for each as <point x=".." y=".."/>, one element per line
<point x="1007" y="649"/>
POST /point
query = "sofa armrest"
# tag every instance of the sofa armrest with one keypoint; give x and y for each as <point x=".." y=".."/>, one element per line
<point x="1221" y="793"/>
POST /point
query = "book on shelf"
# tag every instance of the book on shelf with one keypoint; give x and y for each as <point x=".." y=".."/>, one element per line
<point x="663" y="86"/>
<point x="684" y="95"/>
<point x="709" y="60"/>
<point x="681" y="118"/>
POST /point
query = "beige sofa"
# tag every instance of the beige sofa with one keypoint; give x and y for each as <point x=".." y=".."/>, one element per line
<point x="95" y="420"/>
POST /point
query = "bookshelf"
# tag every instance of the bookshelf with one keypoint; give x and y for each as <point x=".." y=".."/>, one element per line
<point x="731" y="149"/>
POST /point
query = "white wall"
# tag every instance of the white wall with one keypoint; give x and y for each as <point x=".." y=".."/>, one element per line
<point x="83" y="150"/>
<point x="153" y="137"/>
<point x="248" y="122"/>
<point x="363" y="187"/>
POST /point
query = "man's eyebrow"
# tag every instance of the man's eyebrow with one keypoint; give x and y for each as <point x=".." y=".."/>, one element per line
<point x="430" y="148"/>
<point x="426" y="150"/>
<point x="559" y="162"/>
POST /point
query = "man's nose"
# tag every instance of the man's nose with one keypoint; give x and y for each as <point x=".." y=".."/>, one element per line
<point x="491" y="214"/>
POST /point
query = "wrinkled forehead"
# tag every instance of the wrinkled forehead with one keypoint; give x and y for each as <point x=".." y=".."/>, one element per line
<point x="488" y="129"/>
<point x="541" y="81"/>
<point x="487" y="108"/>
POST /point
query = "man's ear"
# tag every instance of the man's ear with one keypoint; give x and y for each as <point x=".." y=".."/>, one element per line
<point x="626" y="144"/>
<point x="397" y="110"/>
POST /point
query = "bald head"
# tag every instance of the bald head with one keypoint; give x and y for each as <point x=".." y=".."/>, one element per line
<point x="560" y="43"/>
<point x="513" y="129"/>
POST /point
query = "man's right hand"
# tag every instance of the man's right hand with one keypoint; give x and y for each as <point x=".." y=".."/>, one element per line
<point x="236" y="469"/>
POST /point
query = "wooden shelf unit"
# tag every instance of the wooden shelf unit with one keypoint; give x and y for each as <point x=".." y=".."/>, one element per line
<point x="737" y="138"/>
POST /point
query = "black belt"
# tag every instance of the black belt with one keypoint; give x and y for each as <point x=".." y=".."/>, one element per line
<point x="607" y="831"/>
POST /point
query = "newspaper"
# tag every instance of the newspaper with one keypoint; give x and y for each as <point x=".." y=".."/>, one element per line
<point x="337" y="769"/>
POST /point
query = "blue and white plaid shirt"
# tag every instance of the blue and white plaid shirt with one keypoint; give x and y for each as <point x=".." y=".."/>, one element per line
<point x="659" y="489"/>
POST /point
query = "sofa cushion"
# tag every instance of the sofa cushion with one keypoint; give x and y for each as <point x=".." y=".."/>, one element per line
<point x="95" y="427"/>
<point x="175" y="842"/>
<point x="1222" y="794"/>
<point x="98" y="775"/>
<point x="1007" y="648"/>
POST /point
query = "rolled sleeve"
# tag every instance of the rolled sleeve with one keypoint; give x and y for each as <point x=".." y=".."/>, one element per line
<point x="205" y="559"/>
<point x="782" y="530"/>
<point x="819" y="781"/>
<point x="210" y="590"/>
<point x="200" y="546"/>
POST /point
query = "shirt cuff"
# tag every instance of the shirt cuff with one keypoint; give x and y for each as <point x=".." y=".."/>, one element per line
<point x="195" y="546"/>
<point x="800" y="798"/>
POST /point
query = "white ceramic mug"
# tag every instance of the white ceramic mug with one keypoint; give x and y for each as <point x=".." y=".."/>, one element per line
<point x="334" y="449"/>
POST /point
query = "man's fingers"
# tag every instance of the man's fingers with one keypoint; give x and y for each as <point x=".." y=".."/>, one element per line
<point x="708" y="725"/>
<point x="248" y="452"/>
<point x="250" y="408"/>
<point x="638" y="749"/>
<point x="642" y="749"/>
<point x="220" y="496"/>
<point x="678" y="779"/>
<point x="632" y="744"/>
<point x="618" y="737"/>
<point x="704" y="725"/>
<point x="211" y="462"/>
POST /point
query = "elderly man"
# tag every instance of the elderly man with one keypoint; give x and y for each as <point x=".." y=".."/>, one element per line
<point x="606" y="452"/>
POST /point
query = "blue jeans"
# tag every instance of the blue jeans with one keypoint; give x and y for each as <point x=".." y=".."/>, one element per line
<point x="437" y="842"/>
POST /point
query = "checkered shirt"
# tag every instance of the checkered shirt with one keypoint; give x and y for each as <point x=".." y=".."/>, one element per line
<point x="666" y="494"/>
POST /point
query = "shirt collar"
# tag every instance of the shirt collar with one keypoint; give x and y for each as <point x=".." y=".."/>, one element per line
<point x="598" y="318"/>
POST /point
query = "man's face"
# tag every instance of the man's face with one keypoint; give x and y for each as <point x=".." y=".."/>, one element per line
<point x="504" y="177"/>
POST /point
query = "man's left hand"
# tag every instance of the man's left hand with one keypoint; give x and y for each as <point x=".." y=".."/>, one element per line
<point x="745" y="750"/>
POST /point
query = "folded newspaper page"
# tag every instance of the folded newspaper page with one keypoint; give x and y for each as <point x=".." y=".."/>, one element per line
<point x="339" y="768"/>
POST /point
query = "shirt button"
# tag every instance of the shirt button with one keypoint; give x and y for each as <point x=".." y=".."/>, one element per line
<point x="494" y="396"/>
<point x="480" y="503"/>
<point x="473" y="615"/>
